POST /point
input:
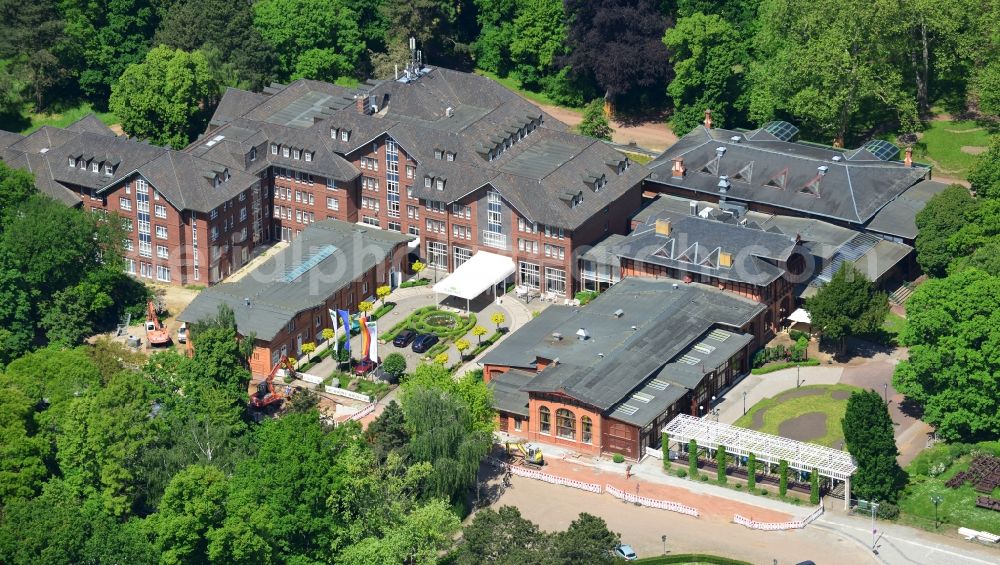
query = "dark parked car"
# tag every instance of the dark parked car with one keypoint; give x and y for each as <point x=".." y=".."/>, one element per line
<point x="404" y="338"/>
<point x="424" y="342"/>
<point x="365" y="366"/>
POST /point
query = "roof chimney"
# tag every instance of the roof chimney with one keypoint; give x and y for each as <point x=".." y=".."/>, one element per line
<point x="708" y="119"/>
<point x="359" y="101"/>
<point x="662" y="227"/>
<point x="908" y="159"/>
<point x="723" y="184"/>
<point x="678" y="169"/>
<point x="694" y="207"/>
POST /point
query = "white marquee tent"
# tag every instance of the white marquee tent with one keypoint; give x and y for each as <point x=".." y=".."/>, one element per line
<point x="475" y="276"/>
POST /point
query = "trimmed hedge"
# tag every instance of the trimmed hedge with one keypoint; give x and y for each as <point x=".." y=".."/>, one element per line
<point x="691" y="558"/>
<point x="383" y="310"/>
<point x="418" y="282"/>
<point x="490" y="341"/>
<point x="779" y="366"/>
<point x="416" y="321"/>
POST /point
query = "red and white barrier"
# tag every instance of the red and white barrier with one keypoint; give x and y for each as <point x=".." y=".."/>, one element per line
<point x="364" y="411"/>
<point x="652" y="502"/>
<point x="777" y="526"/>
<point x="538" y="475"/>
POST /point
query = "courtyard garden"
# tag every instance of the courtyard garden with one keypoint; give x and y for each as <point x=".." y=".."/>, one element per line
<point x="448" y="326"/>
<point x="809" y="413"/>
<point x="936" y="473"/>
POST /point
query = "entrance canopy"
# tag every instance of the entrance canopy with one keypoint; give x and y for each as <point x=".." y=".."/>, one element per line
<point x="800" y="316"/>
<point x="479" y="273"/>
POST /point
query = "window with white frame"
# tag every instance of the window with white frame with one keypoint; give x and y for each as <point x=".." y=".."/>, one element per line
<point x="331" y="184"/>
<point x="309" y="156"/>
<point x="437" y="254"/>
<point x="494" y="214"/>
<point x="296" y="154"/>
<point x="253" y="154"/>
<point x="427" y="182"/>
<point x="162" y="252"/>
<point x="369" y="203"/>
<point x="392" y="178"/>
<point x="435" y="226"/>
<point x="395" y="226"/>
<point x="370" y="220"/>
<point x="163" y="273"/>
<point x="95" y="167"/>
<point x="128" y="245"/>
<point x="555" y="280"/>
<point x="369" y="183"/>
<point x="215" y="233"/>
<point x="161" y="232"/>
<point x="332" y="203"/>
<point x="145" y="269"/>
<point x="461" y="232"/>
<point x="285" y="152"/>
<point x="345" y="135"/>
<point x="555" y="251"/>
<point x="410" y="169"/>
<point x="413" y="230"/>
<point x="439" y="184"/>
<point x="160" y="211"/>
<point x="529" y="274"/>
<point x="274" y="149"/>
<point x="413" y="212"/>
<point x="462" y="255"/>
<point x="435" y="205"/>
<point x="130" y="266"/>
<point x="109" y="169"/>
<point x="125" y="203"/>
<point x="72" y="162"/>
<point x="461" y="210"/>
<point x="527" y="245"/>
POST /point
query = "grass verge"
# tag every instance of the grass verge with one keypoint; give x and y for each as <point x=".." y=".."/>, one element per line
<point x="787" y="406"/>
<point x="941" y="145"/>
<point x="514" y="84"/>
<point x="62" y="119"/>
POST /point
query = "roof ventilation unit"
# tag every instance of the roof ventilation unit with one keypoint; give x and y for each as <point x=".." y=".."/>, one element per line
<point x="582" y="334"/>
<point x="735" y="139"/>
<point x="837" y="158"/>
<point x="720" y="151"/>
<point x="449" y="111"/>
<point x="619" y="313"/>
<point x="723" y="184"/>
<point x="822" y="169"/>
<point x="557" y="336"/>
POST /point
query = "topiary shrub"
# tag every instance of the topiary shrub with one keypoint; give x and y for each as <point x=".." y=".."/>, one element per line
<point x="618" y="458"/>
<point x="720" y="461"/>
<point x="703" y="477"/>
<point x="782" y="477"/>
<point x="665" y="447"/>
<point x="752" y="472"/>
<point x="681" y="473"/>
<point x="763" y="492"/>
<point x="692" y="458"/>
<point x="814" y="487"/>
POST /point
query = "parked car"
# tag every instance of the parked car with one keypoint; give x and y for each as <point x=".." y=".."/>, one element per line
<point x="404" y="338"/>
<point x="182" y="333"/>
<point x="423" y="342"/>
<point x="625" y="551"/>
<point x="365" y="366"/>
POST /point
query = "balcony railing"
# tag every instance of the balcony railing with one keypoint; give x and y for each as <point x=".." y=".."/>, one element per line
<point x="493" y="239"/>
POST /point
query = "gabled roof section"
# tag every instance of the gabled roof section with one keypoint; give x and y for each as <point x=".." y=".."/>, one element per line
<point x="779" y="180"/>
<point x="90" y="123"/>
<point x="745" y="174"/>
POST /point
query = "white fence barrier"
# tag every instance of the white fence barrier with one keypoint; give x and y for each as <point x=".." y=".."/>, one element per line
<point x="314" y="379"/>
<point x="552" y="479"/>
<point x="776" y="526"/>
<point x="364" y="411"/>
<point x="347" y="393"/>
<point x="652" y="502"/>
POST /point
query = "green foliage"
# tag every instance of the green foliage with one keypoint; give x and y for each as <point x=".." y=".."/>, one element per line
<point x="953" y="360"/>
<point x="779" y="366"/>
<point x="23" y="452"/>
<point x="814" y="486"/>
<point x="985" y="174"/>
<point x="387" y="433"/>
<point x="693" y="458"/>
<point x="16" y="186"/>
<point x="595" y="123"/>
<point x="165" y="98"/>
<point x="848" y="305"/>
<point x="538" y="37"/>
<point x="192" y="506"/>
<point x="689" y="558"/>
<point x="681" y="473"/>
<point x="665" y="449"/>
<point x="498" y="318"/>
<point x="587" y="540"/>
<point x="502" y="536"/>
<point x="394" y="364"/>
<point x="751" y="472"/>
<point x="709" y="56"/>
<point x="585" y="296"/>
<point x="943" y="216"/>
<point x="316" y="39"/>
<point x="418" y="282"/>
<point x="720" y="461"/>
<point x="783" y="477"/>
<point x="479" y="332"/>
<point x="618" y="458"/>
<point x="470" y="388"/>
<point x="868" y="435"/>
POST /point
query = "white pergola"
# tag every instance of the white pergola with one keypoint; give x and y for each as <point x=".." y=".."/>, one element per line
<point x="475" y="276"/>
<point x="770" y="449"/>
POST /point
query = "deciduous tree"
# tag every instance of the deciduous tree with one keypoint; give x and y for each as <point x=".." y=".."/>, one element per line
<point x="985" y="174"/>
<point x="316" y="39"/>
<point x="847" y="305"/>
<point x="167" y="97"/>
<point x="587" y="540"/>
<point x="943" y="216"/>
<point x="868" y="435"/>
<point x="595" y="123"/>
<point x="502" y="537"/>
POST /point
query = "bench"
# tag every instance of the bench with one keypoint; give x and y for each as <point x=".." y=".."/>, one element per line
<point x="971" y="534"/>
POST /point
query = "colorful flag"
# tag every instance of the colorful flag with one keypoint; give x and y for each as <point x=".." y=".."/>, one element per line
<point x="336" y="337"/>
<point x="373" y="346"/>
<point x="345" y="316"/>
<point x="366" y="338"/>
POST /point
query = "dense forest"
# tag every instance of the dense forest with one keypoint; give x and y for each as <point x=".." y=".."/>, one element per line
<point x="842" y="70"/>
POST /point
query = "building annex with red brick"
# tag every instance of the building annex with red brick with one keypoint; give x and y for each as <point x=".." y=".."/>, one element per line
<point x="606" y="377"/>
<point x="284" y="302"/>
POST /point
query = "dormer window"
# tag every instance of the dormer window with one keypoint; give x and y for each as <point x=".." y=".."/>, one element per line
<point x="253" y="154"/>
<point x="81" y="164"/>
<point x="274" y="149"/>
<point x="345" y="135"/>
<point x="333" y="133"/>
<point x="72" y="162"/>
<point x="440" y="184"/>
<point x="437" y="154"/>
<point x="427" y="182"/>
<point x="309" y="156"/>
<point x="217" y="181"/>
<point x="296" y="154"/>
<point x="450" y="156"/>
<point x="95" y="167"/>
<point x="226" y="174"/>
<point x="108" y="169"/>
<point x="285" y="152"/>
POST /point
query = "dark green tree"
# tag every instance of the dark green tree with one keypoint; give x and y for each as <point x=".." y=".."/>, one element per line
<point x="720" y="462"/>
<point x="167" y="98"/>
<point x="848" y="305"/>
<point x="16" y="186"/>
<point x="503" y="537"/>
<point x="943" y="216"/>
<point x="693" y="459"/>
<point x="394" y="364"/>
<point x="951" y="333"/>
<point x="23" y="453"/>
<point x="192" y="505"/>
<point x="814" y="487"/>
<point x="665" y="449"/>
<point x="709" y="56"/>
<point x="387" y="433"/>
<point x="317" y="39"/>
<point x="33" y="49"/>
<point x="587" y="540"/>
<point x="868" y="435"/>
<point x="782" y="477"/>
<point x="595" y="123"/>
<point x="444" y="29"/>
<point x="985" y="174"/>
<point x="751" y="472"/>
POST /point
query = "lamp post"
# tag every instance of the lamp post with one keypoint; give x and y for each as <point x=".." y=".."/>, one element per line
<point x="935" y="499"/>
<point x="874" y="539"/>
<point x="885" y="392"/>
<point x="744" y="403"/>
<point x="701" y="411"/>
<point x="664" y="539"/>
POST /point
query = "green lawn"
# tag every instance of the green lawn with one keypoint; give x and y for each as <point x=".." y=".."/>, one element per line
<point x="785" y="407"/>
<point x="942" y="142"/>
<point x="894" y="324"/>
<point x="32" y="122"/>
<point x="957" y="507"/>
<point x="640" y="158"/>
<point x="514" y="84"/>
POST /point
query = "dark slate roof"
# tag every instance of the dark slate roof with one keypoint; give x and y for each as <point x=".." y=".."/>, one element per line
<point x="186" y="181"/>
<point x="90" y="123"/>
<point x="507" y="394"/>
<point x="615" y="359"/>
<point x="853" y="189"/>
<point x="695" y="244"/>
<point x="341" y="251"/>
<point x="235" y="103"/>
<point x="898" y="217"/>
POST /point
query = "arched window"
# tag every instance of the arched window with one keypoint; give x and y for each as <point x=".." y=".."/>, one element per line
<point x="544" y="420"/>
<point x="586" y="427"/>
<point x="565" y="424"/>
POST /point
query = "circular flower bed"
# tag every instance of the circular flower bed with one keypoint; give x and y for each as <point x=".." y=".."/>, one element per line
<point x="446" y="325"/>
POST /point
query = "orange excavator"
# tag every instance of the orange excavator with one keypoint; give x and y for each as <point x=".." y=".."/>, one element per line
<point x="266" y="394"/>
<point x="156" y="334"/>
